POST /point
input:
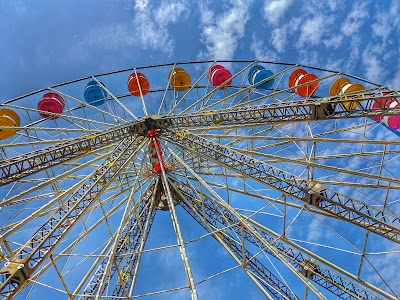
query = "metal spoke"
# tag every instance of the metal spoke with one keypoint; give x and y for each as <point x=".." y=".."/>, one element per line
<point x="241" y="221"/>
<point x="127" y="239"/>
<point x="114" y="98"/>
<point x="322" y="274"/>
<point x="242" y="256"/>
<point x="37" y="249"/>
<point x="344" y="207"/>
<point x="24" y="165"/>
<point x="298" y="111"/>
<point x="299" y="191"/>
<point x="185" y="259"/>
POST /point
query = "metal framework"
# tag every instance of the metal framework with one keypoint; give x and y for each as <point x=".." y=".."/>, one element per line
<point x="203" y="215"/>
<point x="22" y="166"/>
<point x="255" y="168"/>
<point x="130" y="240"/>
<point x="339" y="284"/>
<point x="25" y="165"/>
<point x="29" y="257"/>
<point x="298" y="111"/>
<point x="357" y="212"/>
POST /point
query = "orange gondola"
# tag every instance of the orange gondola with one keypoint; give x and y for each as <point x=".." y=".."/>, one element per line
<point x="138" y="84"/>
<point x="300" y="77"/>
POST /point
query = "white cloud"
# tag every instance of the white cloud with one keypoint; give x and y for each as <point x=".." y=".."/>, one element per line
<point x="16" y="7"/>
<point x="279" y="39"/>
<point x="387" y="21"/>
<point x="394" y="83"/>
<point x="141" y="4"/>
<point x="374" y="59"/>
<point x="382" y="27"/>
<point x="353" y="54"/>
<point x="315" y="230"/>
<point x="374" y="69"/>
<point x="151" y="23"/>
<point x="148" y="30"/>
<point x="260" y="51"/>
<point x="313" y="30"/>
<point x="221" y="33"/>
<point x="274" y="10"/>
<point x="309" y="57"/>
<point x="333" y="64"/>
<point x="280" y="35"/>
<point x="395" y="14"/>
<point x="355" y="19"/>
<point x="334" y="4"/>
<point x="170" y="12"/>
<point x="334" y="42"/>
<point x="110" y="36"/>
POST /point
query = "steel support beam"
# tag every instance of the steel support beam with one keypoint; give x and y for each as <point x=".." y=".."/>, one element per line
<point x="307" y="110"/>
<point x="296" y="111"/>
<point x="130" y="265"/>
<point x="128" y="241"/>
<point x="30" y="256"/>
<point x="246" y="260"/>
<point x="339" y="282"/>
<point x="346" y="208"/>
<point x="174" y="217"/>
<point x="24" y="165"/>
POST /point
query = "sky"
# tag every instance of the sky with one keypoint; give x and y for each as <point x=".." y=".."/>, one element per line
<point x="48" y="42"/>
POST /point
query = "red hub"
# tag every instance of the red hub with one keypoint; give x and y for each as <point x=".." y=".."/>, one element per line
<point x="155" y="146"/>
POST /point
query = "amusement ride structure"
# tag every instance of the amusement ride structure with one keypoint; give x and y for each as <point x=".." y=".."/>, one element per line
<point x="291" y="170"/>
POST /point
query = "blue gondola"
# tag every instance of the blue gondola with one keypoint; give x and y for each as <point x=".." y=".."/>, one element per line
<point x="94" y="94"/>
<point x="258" y="73"/>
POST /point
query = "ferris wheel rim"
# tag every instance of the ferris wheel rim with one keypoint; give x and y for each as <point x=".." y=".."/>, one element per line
<point x="211" y="127"/>
<point x="186" y="63"/>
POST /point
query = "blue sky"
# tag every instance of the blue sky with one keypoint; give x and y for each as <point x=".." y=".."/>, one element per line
<point x="48" y="42"/>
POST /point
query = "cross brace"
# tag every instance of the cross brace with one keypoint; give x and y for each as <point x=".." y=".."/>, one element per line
<point x="272" y="283"/>
<point x="308" y="110"/>
<point x="342" y="206"/>
<point x="28" y="258"/>
<point x="129" y="242"/>
<point x="339" y="284"/>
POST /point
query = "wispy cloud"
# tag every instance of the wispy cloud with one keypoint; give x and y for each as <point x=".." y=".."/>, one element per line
<point x="110" y="36"/>
<point x="274" y="10"/>
<point x="334" y="4"/>
<point x="314" y="29"/>
<point x="151" y="23"/>
<point x="373" y="65"/>
<point x="386" y="21"/>
<point x="281" y="34"/>
<point x="13" y="7"/>
<point x="355" y="19"/>
<point x="382" y="27"/>
<point x="261" y="52"/>
<point x="220" y="33"/>
<point x="394" y="83"/>
<point x="387" y="268"/>
<point x="315" y="231"/>
<point x="333" y="42"/>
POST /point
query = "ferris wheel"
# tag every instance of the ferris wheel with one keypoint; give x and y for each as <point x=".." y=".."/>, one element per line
<point x="288" y="174"/>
